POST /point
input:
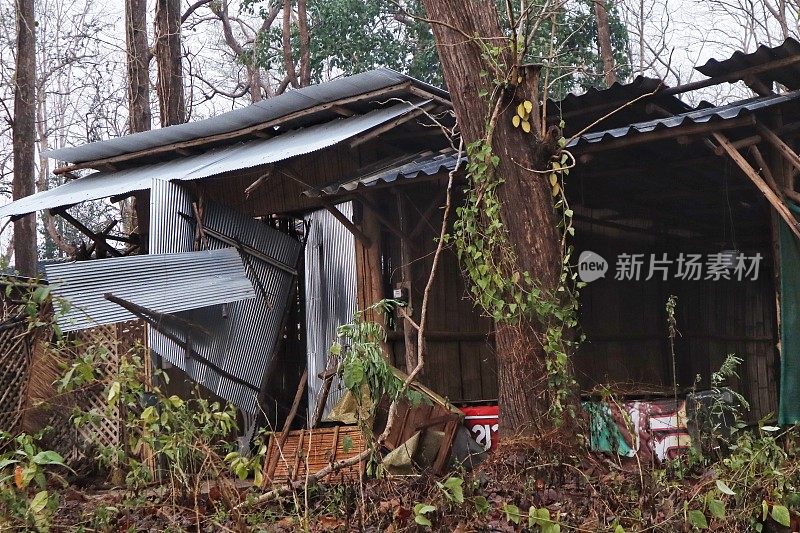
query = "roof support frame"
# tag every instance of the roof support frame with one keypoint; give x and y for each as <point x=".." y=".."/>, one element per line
<point x="349" y="226"/>
<point x="772" y="196"/>
<point x="97" y="238"/>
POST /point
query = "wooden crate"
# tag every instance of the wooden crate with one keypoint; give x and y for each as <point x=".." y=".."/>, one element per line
<point x="307" y="451"/>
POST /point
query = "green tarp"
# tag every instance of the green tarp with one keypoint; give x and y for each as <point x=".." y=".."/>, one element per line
<point x="789" y="407"/>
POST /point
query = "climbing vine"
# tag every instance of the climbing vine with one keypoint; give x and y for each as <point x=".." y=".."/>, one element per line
<point x="506" y="292"/>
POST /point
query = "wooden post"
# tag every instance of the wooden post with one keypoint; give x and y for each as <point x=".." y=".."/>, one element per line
<point x="287" y="425"/>
<point x="369" y="269"/>
<point x="409" y="333"/>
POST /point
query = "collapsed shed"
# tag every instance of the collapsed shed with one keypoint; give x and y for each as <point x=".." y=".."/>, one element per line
<point x="330" y="197"/>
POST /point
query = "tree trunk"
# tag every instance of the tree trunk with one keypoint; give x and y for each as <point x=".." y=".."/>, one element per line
<point x="305" y="44"/>
<point x="527" y="206"/>
<point x="24" y="136"/>
<point x="604" y="42"/>
<point x="139" y="113"/>
<point x="169" y="56"/>
<point x="138" y="65"/>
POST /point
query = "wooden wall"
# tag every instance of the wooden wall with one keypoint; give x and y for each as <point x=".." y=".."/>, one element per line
<point x="460" y="363"/>
<point x="625" y="324"/>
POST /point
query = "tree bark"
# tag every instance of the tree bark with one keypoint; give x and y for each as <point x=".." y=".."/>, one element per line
<point x="140" y="116"/>
<point x="305" y="44"/>
<point x="24" y="136"/>
<point x="138" y="66"/>
<point x="604" y="42"/>
<point x="527" y="206"/>
<point x="169" y="57"/>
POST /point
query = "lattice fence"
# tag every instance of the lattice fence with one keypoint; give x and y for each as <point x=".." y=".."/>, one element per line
<point x="15" y="355"/>
<point x="118" y="340"/>
<point x="29" y="367"/>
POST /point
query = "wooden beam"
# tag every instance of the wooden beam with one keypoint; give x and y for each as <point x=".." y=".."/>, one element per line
<point x="765" y="170"/>
<point x="99" y="241"/>
<point x="349" y="226"/>
<point x="287" y="425"/>
<point x="388" y="126"/>
<point x="705" y="128"/>
<point x="737" y="75"/>
<point x="758" y="86"/>
<point x="251" y="130"/>
<point x="759" y="182"/>
<point x="784" y="149"/>
<point x="747" y="142"/>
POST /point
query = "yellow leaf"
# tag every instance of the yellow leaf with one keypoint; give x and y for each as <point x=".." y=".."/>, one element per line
<point x="19" y="477"/>
<point x="521" y="110"/>
<point x="516" y="120"/>
<point x="528" y="106"/>
<point x="526" y="126"/>
<point x="519" y="79"/>
<point x="556" y="189"/>
<point x="553" y="179"/>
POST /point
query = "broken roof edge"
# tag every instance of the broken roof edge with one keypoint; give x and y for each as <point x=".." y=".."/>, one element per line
<point x="739" y="60"/>
<point x="212" y="163"/>
<point x="262" y="115"/>
<point x="734" y="110"/>
<point x="420" y="165"/>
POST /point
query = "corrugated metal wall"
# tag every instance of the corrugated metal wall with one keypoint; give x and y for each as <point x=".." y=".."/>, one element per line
<point x="330" y="279"/>
<point x="243" y="335"/>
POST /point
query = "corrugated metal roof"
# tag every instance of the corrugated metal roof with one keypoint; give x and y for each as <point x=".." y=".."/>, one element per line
<point x="425" y="165"/>
<point x="593" y="96"/>
<point x="266" y="110"/>
<point x="244" y="334"/>
<point x="702" y="115"/>
<point x="211" y="163"/>
<point x="164" y="282"/>
<point x="789" y="75"/>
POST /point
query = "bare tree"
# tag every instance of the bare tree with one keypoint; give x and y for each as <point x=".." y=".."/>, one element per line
<point x="138" y="66"/>
<point x="604" y="42"/>
<point x="24" y="135"/>
<point x="169" y="59"/>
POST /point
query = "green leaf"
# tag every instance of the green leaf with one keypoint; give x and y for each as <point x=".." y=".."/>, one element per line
<point x="39" y="502"/>
<point x="698" y="520"/>
<point x="764" y="510"/>
<point x="619" y="529"/>
<point x="781" y="515"/>
<point x="354" y="374"/>
<point x="347" y="443"/>
<point x="420" y="510"/>
<point x="512" y="513"/>
<point x="717" y="508"/>
<point x="724" y="488"/>
<point x="113" y="393"/>
<point x="453" y="489"/>
<point x="48" y="457"/>
<point x="481" y="505"/>
<point x="6" y="462"/>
